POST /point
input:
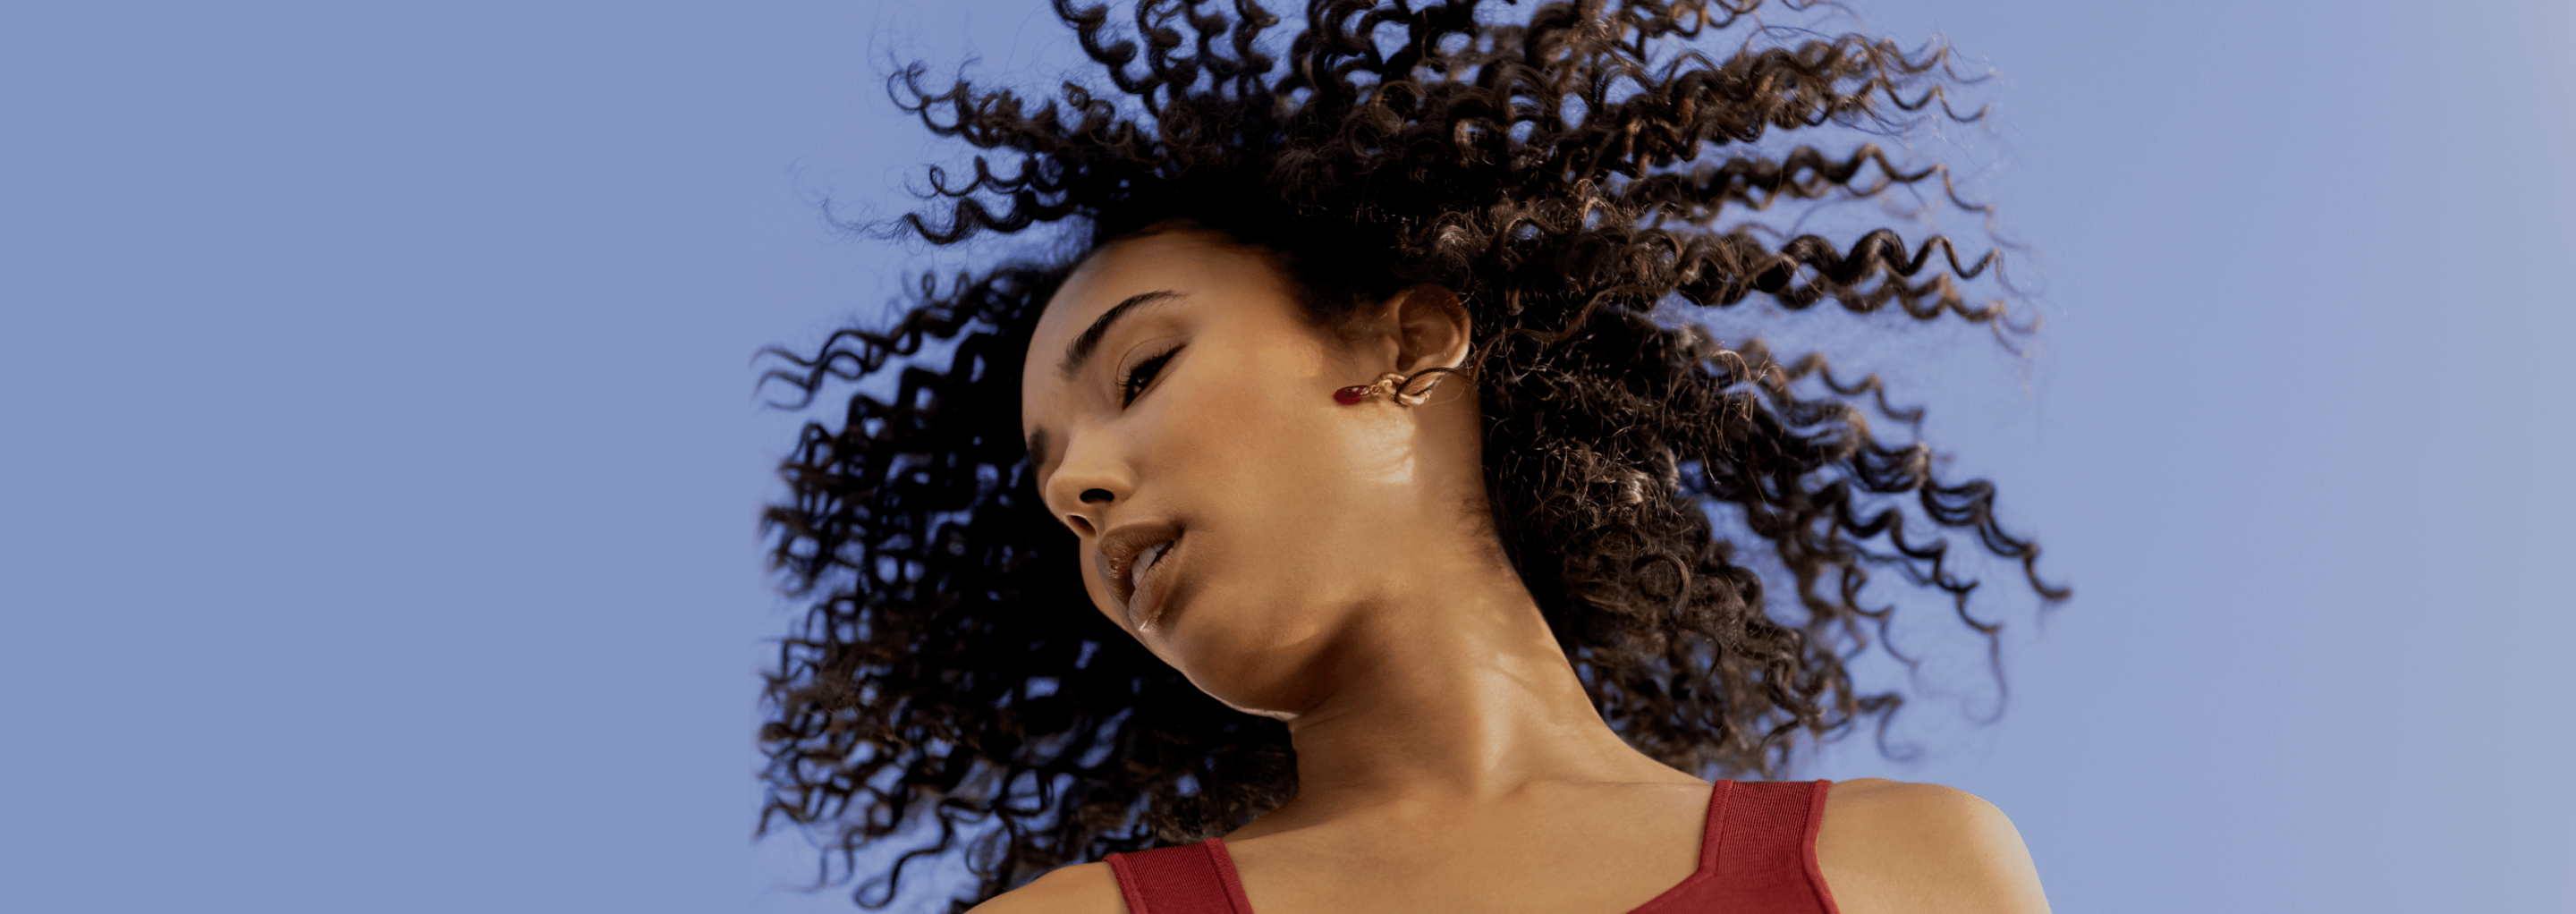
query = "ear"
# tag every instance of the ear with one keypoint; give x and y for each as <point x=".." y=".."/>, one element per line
<point x="1429" y="328"/>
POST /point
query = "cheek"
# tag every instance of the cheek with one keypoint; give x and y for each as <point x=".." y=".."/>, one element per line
<point x="1303" y="498"/>
<point x="1277" y="451"/>
<point x="1266" y="442"/>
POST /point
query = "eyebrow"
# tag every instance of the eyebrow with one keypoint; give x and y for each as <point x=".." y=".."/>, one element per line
<point x="1079" y="351"/>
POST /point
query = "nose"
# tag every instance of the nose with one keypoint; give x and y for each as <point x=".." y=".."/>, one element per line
<point x="1082" y="524"/>
<point x="1087" y="484"/>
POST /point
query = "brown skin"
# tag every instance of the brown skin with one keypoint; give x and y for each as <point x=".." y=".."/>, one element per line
<point x="1336" y="570"/>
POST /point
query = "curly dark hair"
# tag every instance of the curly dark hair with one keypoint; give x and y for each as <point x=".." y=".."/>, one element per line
<point x="950" y="683"/>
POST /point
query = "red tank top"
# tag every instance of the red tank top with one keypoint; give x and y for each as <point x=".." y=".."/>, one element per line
<point x="1758" y="856"/>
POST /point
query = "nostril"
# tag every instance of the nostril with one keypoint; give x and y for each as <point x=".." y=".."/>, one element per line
<point x="1092" y="495"/>
<point x="1080" y="524"/>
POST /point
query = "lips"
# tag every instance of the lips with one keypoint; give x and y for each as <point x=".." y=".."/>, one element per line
<point x="1145" y="562"/>
<point x="1135" y="562"/>
<point x="1150" y="580"/>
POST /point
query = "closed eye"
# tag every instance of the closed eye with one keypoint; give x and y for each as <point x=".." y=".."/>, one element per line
<point x="1142" y="376"/>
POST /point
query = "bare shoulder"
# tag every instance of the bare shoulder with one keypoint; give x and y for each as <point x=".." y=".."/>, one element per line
<point x="1894" y="846"/>
<point x="1088" y="888"/>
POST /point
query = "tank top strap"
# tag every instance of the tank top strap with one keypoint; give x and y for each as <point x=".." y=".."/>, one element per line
<point x="1757" y="854"/>
<point x="1761" y="848"/>
<point x="1189" y="879"/>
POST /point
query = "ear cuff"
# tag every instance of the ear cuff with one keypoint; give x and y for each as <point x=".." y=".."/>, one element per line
<point x="1405" y="390"/>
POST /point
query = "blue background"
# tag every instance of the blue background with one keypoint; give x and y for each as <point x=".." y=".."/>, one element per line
<point x="378" y="458"/>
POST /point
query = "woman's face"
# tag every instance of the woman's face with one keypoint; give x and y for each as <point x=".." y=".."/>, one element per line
<point x="1234" y="517"/>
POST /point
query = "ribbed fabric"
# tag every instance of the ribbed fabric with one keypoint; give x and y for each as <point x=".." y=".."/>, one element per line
<point x="1189" y="879"/>
<point x="1757" y="856"/>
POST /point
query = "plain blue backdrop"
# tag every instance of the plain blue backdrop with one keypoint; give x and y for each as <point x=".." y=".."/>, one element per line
<point x="379" y="459"/>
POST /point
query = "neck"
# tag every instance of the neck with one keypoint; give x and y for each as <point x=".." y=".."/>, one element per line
<point x="1452" y="694"/>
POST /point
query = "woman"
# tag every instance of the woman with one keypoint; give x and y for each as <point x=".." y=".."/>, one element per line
<point x="1343" y="516"/>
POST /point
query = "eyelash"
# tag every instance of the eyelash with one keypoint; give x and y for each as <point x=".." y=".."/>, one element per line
<point x="1132" y="385"/>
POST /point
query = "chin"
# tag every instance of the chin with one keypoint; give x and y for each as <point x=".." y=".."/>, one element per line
<point x="1240" y="700"/>
<point x="1263" y="676"/>
<point x="1260" y="712"/>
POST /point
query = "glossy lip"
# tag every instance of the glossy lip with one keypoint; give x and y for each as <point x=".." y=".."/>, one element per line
<point x="1145" y="608"/>
<point x="1119" y="548"/>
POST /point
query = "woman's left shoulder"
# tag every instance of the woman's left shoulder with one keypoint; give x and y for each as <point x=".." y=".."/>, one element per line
<point x="1894" y="846"/>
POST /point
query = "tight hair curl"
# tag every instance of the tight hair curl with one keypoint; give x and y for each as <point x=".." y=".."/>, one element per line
<point x="950" y="685"/>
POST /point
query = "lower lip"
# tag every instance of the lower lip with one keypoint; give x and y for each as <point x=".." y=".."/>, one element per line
<point x="1145" y="607"/>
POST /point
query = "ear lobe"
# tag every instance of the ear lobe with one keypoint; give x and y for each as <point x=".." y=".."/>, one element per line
<point x="1432" y="329"/>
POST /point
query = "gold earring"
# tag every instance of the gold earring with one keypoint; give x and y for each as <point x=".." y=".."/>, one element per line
<point x="1405" y="390"/>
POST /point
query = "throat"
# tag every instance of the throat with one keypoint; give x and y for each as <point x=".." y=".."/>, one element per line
<point x="1457" y="711"/>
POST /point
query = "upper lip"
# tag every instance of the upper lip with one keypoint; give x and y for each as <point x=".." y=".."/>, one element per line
<point x="1119" y="547"/>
